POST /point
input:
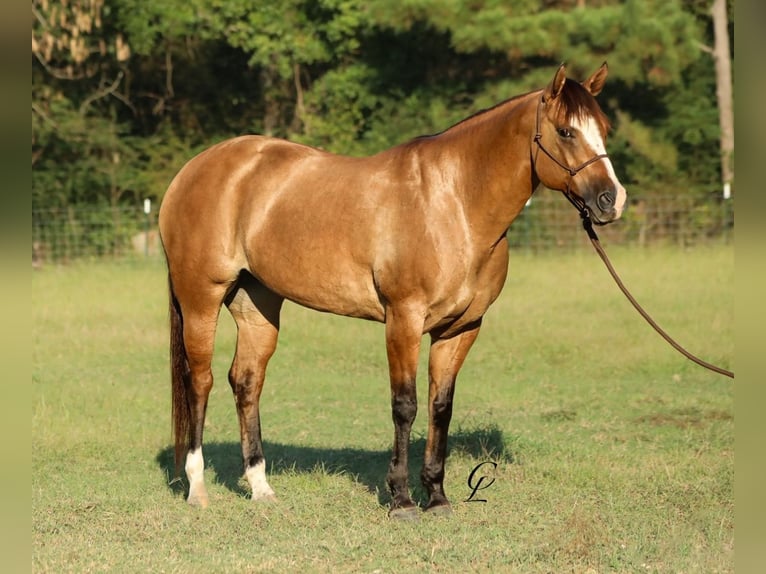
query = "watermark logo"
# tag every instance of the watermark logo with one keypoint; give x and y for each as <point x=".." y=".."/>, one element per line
<point x="480" y="479"/>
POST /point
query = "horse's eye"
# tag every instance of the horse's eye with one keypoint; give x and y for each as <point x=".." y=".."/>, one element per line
<point x="565" y="132"/>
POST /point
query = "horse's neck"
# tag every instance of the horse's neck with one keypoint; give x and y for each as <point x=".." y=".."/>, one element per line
<point x="496" y="173"/>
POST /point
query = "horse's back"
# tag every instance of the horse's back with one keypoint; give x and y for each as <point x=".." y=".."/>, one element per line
<point x="212" y="176"/>
<point x="295" y="217"/>
<point x="334" y="233"/>
<point x="197" y="218"/>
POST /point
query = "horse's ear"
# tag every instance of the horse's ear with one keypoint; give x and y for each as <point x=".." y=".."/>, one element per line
<point x="557" y="84"/>
<point x="595" y="83"/>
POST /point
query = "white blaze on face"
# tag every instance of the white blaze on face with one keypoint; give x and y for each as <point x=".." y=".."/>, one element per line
<point x="589" y="130"/>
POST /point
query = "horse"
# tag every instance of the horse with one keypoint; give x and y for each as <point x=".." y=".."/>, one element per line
<point x="413" y="237"/>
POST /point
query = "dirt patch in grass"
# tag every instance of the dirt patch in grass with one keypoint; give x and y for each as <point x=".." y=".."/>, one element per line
<point x="685" y="418"/>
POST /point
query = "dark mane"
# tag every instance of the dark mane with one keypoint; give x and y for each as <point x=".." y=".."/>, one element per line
<point x="573" y="102"/>
<point x="577" y="102"/>
<point x="475" y="115"/>
<point x="487" y="110"/>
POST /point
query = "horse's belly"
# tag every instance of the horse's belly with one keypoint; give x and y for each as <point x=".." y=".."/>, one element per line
<point x="349" y="300"/>
<point x="319" y="281"/>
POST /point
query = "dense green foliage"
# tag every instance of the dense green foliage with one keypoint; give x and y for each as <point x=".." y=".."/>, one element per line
<point x="124" y="91"/>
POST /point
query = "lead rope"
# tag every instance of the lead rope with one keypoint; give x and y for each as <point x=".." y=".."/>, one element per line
<point x="588" y="226"/>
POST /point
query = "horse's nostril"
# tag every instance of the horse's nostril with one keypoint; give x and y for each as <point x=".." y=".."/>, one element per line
<point x="606" y="200"/>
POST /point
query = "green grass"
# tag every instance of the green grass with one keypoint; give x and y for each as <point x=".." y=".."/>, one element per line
<point x="614" y="453"/>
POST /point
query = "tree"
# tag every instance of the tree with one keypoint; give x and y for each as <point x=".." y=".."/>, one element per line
<point x="722" y="58"/>
<point x="150" y="83"/>
<point x="78" y="72"/>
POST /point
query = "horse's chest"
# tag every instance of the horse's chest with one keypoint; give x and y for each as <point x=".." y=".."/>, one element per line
<point x="468" y="294"/>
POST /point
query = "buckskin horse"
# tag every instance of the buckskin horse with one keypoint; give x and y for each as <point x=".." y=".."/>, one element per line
<point x="413" y="237"/>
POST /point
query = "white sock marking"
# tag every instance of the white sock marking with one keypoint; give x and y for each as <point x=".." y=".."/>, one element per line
<point x="256" y="476"/>
<point x="195" y="470"/>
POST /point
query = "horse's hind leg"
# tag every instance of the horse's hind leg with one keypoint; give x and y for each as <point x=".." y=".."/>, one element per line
<point x="256" y="311"/>
<point x="200" y="307"/>
<point x="444" y="362"/>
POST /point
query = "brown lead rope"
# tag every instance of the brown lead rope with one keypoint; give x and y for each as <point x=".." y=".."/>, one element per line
<point x="577" y="201"/>
<point x="588" y="225"/>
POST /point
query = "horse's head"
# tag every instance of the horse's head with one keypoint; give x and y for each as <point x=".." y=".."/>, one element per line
<point x="568" y="146"/>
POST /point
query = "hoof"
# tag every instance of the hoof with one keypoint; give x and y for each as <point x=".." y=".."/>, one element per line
<point x="199" y="499"/>
<point x="406" y="514"/>
<point x="439" y="510"/>
<point x="265" y="498"/>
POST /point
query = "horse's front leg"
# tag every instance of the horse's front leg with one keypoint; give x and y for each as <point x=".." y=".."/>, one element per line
<point x="404" y="330"/>
<point x="445" y="359"/>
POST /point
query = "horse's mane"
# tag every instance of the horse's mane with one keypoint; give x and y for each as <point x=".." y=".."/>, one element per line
<point x="573" y="102"/>
<point x="474" y="116"/>
<point x="487" y="110"/>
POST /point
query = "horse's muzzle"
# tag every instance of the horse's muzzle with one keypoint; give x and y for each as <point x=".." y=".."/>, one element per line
<point x="607" y="206"/>
<point x="605" y="201"/>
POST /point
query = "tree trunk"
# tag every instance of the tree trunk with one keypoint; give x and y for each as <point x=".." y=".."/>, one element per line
<point x="722" y="59"/>
<point x="270" y="102"/>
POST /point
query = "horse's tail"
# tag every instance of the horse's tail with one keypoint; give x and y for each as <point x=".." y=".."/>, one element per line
<point x="179" y="376"/>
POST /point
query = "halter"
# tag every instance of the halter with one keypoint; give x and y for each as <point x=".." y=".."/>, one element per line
<point x="587" y="224"/>
<point x="573" y="198"/>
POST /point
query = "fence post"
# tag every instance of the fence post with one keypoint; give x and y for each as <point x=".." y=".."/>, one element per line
<point x="147" y="211"/>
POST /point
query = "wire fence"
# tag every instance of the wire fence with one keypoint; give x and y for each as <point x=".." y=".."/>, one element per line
<point x="548" y="222"/>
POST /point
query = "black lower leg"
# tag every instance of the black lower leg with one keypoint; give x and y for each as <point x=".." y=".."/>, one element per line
<point x="198" y="394"/>
<point x="432" y="475"/>
<point x="404" y="409"/>
<point x="252" y="446"/>
<point x="249" y="416"/>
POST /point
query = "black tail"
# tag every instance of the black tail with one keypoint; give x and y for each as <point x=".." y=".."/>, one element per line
<point x="179" y="376"/>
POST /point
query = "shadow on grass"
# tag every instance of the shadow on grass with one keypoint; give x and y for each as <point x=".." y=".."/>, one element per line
<point x="367" y="467"/>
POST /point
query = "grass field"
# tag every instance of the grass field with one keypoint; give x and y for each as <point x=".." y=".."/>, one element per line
<point x="614" y="453"/>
